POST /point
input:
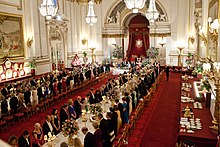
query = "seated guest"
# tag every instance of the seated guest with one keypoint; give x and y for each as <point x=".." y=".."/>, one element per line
<point x="24" y="140"/>
<point x="64" y="114"/>
<point x="89" y="140"/>
<point x="47" y="126"/>
<point x="55" y="121"/>
<point x="13" y="141"/>
<point x="77" y="106"/>
<point x="37" y="136"/>
<point x="71" y="109"/>
<point x="97" y="134"/>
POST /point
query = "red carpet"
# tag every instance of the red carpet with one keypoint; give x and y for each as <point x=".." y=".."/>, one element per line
<point x="158" y="125"/>
<point x="18" y="128"/>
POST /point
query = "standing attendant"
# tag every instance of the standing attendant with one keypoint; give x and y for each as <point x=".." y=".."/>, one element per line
<point x="167" y="70"/>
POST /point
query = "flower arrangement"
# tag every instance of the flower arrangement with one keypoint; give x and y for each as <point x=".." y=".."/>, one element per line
<point x="94" y="108"/>
<point x="152" y="53"/>
<point x="189" y="59"/>
<point x="69" y="127"/>
<point x="117" y="53"/>
<point x="206" y="85"/>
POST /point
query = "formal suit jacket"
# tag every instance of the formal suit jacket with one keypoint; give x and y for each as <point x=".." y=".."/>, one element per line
<point x="13" y="103"/>
<point x="4" y="107"/>
<point x="27" y="97"/>
<point x="46" y="128"/>
<point x="105" y="129"/>
<point x="63" y="116"/>
<point x="89" y="140"/>
<point x="4" y="92"/>
<point x="22" y="142"/>
<point x="78" y="108"/>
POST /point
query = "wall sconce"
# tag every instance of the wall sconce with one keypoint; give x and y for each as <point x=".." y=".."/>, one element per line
<point x="203" y="35"/>
<point x="163" y="42"/>
<point x="191" y="39"/>
<point x="213" y="28"/>
<point x="30" y="42"/>
<point x="84" y="41"/>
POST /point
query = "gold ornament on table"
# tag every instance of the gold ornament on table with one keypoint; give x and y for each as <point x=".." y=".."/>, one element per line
<point x="187" y="112"/>
<point x="49" y="139"/>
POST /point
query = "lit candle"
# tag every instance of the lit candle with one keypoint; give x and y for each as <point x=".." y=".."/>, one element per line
<point x="45" y="137"/>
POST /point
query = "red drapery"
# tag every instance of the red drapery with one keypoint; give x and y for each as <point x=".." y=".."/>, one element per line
<point x="138" y="37"/>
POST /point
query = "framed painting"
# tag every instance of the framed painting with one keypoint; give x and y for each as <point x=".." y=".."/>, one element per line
<point x="11" y="36"/>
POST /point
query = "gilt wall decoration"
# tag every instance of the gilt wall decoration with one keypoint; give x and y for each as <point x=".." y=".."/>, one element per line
<point x="11" y="36"/>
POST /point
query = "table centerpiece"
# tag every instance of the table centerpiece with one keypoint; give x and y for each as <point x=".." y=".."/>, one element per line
<point x="70" y="128"/>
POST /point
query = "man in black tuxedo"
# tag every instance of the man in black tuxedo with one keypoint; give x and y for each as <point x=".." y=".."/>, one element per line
<point x="24" y="140"/>
<point x="13" y="103"/>
<point x="39" y="92"/>
<point x="103" y="125"/>
<point x="92" y="98"/>
<point x="4" y="92"/>
<point x="167" y="71"/>
<point x="4" y="106"/>
<point x="89" y="140"/>
<point x="81" y="77"/>
<point x="64" y="115"/>
<point x="47" y="126"/>
<point x="27" y="96"/>
<point x="77" y="107"/>
<point x="33" y="82"/>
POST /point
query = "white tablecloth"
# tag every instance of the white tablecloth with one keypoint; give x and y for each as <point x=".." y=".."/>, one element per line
<point x="117" y="71"/>
<point x="60" y="137"/>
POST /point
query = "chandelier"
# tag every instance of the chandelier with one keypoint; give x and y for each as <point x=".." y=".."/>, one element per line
<point x="48" y="8"/>
<point x="152" y="13"/>
<point x="135" y="4"/>
<point x="91" y="18"/>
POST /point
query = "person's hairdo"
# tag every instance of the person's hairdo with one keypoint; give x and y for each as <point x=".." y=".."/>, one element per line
<point x="100" y="115"/>
<point x="117" y="100"/>
<point x="65" y="105"/>
<point x="70" y="101"/>
<point x="109" y="114"/>
<point x="124" y="99"/>
<point x="111" y="109"/>
<point x="95" y="125"/>
<point x="85" y="129"/>
<point x="115" y="107"/>
<point x="36" y="125"/>
<point x="53" y="111"/>
<point x="11" y="138"/>
<point x="25" y="132"/>
<point x="63" y="144"/>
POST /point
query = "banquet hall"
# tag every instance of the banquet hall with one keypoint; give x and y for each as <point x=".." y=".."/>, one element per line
<point x="120" y="73"/>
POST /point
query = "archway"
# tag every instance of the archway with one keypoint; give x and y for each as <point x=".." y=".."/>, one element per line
<point x="138" y="37"/>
